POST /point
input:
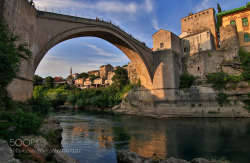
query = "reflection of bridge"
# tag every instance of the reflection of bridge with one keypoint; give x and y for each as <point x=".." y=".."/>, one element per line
<point x="44" y="30"/>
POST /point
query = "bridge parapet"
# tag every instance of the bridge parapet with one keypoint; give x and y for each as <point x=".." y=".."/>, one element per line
<point x="87" y="21"/>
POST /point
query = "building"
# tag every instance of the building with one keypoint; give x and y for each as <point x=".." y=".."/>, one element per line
<point x="240" y="18"/>
<point x="98" y="82"/>
<point x="199" y="22"/>
<point x="110" y="76"/>
<point x="87" y="82"/>
<point x="133" y="76"/>
<point x="75" y="76"/>
<point x="58" y="79"/>
<point x="80" y="82"/>
<point x="163" y="40"/>
<point x="94" y="72"/>
<point x="104" y="69"/>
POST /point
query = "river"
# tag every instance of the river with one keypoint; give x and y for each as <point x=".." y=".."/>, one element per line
<point x="97" y="135"/>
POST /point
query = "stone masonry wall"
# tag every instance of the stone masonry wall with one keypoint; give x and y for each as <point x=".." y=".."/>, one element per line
<point x="229" y="41"/>
<point x="132" y="74"/>
<point x="21" y="17"/>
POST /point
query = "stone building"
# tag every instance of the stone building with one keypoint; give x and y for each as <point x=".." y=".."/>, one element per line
<point x="200" y="22"/>
<point x="98" y="82"/>
<point x="80" y="82"/>
<point x="75" y="76"/>
<point x="133" y="76"/>
<point x="238" y="17"/>
<point x="94" y="72"/>
<point x="110" y="76"/>
<point x="104" y="69"/>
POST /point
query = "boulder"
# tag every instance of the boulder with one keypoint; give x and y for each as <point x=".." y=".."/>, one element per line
<point x="6" y="153"/>
<point x="60" y="157"/>
<point x="202" y="160"/>
<point x="37" y="144"/>
<point x="125" y="156"/>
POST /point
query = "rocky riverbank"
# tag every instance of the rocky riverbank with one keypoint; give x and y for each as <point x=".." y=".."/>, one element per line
<point x="32" y="148"/>
<point x="125" y="156"/>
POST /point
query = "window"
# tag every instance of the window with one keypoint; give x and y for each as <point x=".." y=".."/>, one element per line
<point x="198" y="68"/>
<point x="233" y="22"/>
<point x="244" y="21"/>
<point x="161" y="45"/>
<point x="246" y="37"/>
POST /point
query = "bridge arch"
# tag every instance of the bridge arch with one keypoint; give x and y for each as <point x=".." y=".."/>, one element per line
<point x="139" y="55"/>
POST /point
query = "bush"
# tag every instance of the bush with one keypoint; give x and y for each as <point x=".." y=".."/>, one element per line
<point x="222" y="98"/>
<point x="71" y="99"/>
<point x="40" y="106"/>
<point x="80" y="103"/>
<point x="18" y="124"/>
<point x="99" y="101"/>
<point x="218" y="80"/>
<point x="186" y="80"/>
<point x="245" y="63"/>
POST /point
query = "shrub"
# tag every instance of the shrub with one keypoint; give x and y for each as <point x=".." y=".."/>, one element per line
<point x="218" y="80"/>
<point x="80" y="103"/>
<point x="186" y="80"/>
<point x="100" y="101"/>
<point x="18" y="124"/>
<point x="40" y="106"/>
<point x="71" y="99"/>
<point x="245" y="63"/>
<point x="222" y="98"/>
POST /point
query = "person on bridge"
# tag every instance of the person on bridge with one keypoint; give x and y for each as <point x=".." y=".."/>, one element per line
<point x="32" y="3"/>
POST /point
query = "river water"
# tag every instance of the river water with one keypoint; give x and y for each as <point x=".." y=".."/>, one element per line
<point x="97" y="135"/>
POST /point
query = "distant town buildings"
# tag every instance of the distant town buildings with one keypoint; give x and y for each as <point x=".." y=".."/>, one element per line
<point x="104" y="69"/>
<point x="94" y="72"/>
<point x="75" y="76"/>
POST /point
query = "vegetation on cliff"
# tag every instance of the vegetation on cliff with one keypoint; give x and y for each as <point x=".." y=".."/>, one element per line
<point x="186" y="80"/>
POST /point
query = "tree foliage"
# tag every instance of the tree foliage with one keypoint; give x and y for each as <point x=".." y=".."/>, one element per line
<point x="11" y="55"/>
<point x="82" y="75"/>
<point x="186" y="80"/>
<point x="38" y="80"/>
<point x="121" y="77"/>
<point x="245" y="64"/>
<point x="49" y="82"/>
<point x="218" y="8"/>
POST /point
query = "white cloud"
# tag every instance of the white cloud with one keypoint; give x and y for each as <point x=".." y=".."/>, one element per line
<point x="155" y="24"/>
<point x="99" y="51"/>
<point x="149" y="6"/>
<point x="102" y="6"/>
<point x="205" y="4"/>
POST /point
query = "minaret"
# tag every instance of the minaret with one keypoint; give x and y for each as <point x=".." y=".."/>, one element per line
<point x="70" y="71"/>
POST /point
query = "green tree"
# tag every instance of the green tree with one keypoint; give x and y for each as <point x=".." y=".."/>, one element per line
<point x="38" y="80"/>
<point x="49" y="82"/>
<point x="121" y="77"/>
<point x="186" y="80"/>
<point x="218" y="8"/>
<point x="245" y="63"/>
<point x="12" y="54"/>
<point x="82" y="75"/>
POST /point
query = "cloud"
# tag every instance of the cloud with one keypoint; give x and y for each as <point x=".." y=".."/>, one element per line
<point x="155" y="24"/>
<point x="99" y="51"/>
<point x="101" y="6"/>
<point x="205" y="4"/>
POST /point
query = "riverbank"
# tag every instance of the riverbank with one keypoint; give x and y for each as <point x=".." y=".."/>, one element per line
<point x="45" y="147"/>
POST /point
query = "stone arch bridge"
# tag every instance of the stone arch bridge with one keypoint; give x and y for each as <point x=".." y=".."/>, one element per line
<point x="43" y="30"/>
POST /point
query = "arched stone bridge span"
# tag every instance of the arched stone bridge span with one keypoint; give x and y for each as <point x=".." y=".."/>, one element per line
<point x="52" y="29"/>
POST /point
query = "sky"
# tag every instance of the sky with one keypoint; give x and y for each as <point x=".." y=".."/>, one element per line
<point x="141" y="18"/>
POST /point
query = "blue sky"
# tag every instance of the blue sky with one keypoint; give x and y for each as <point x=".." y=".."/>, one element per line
<point x="141" y="18"/>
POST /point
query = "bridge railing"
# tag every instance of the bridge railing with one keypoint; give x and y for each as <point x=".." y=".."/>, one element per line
<point x="81" y="15"/>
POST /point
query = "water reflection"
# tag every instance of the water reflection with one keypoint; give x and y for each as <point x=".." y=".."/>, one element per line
<point x="99" y="135"/>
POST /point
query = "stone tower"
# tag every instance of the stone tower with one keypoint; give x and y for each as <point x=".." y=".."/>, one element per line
<point x="70" y="71"/>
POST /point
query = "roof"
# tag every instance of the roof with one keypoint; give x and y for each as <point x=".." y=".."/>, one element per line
<point x="221" y="14"/>
<point x="197" y="12"/>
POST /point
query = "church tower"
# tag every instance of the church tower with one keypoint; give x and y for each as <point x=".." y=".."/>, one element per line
<point x="70" y="71"/>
